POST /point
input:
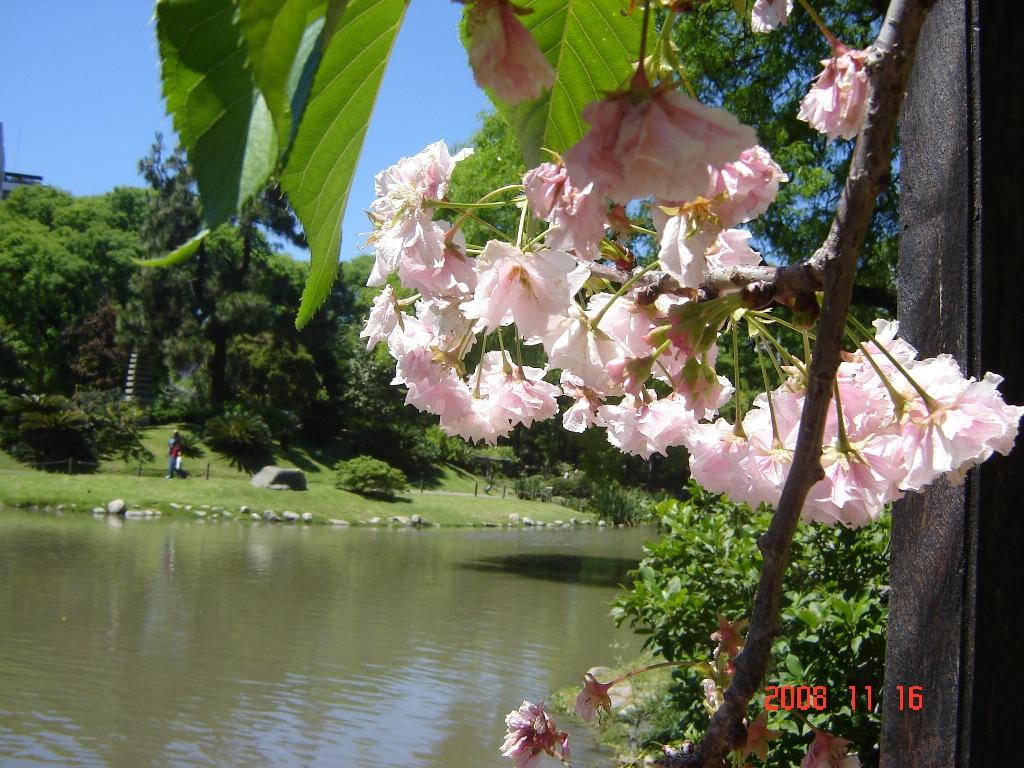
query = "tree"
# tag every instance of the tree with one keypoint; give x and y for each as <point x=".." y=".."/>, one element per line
<point x="63" y="259"/>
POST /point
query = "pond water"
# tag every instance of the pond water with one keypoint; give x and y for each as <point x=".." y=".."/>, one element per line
<point x="195" y="643"/>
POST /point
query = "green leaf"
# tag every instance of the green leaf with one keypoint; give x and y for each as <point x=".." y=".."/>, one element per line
<point x="323" y="157"/>
<point x="278" y="34"/>
<point x="178" y="255"/>
<point x="593" y="47"/>
<point x="222" y="118"/>
<point x="796" y="669"/>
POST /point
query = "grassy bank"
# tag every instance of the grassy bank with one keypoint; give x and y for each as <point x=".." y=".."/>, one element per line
<point x="446" y="498"/>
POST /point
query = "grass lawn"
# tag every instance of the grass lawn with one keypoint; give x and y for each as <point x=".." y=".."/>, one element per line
<point x="229" y="488"/>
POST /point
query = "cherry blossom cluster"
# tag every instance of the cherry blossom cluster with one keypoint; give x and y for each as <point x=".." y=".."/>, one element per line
<point x="645" y="371"/>
<point x="897" y="425"/>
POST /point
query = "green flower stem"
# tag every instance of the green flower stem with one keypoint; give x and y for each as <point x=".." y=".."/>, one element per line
<point x="898" y="400"/>
<point x="776" y="440"/>
<point x="762" y="331"/>
<point x="622" y="290"/>
<point x="643" y="230"/>
<point x="523" y="214"/>
<point x="807" y="346"/>
<point x="493" y="193"/>
<point x="737" y="427"/>
<point x="480" y="367"/>
<point x="820" y="23"/>
<point x="640" y="69"/>
<point x="650" y="668"/>
<point x="843" y="443"/>
<point x="409" y="301"/>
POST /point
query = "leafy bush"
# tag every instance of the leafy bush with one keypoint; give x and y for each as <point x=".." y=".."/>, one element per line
<point x="369" y="477"/>
<point x="87" y="427"/>
<point x="833" y="616"/>
<point x="239" y="434"/>
<point x="531" y="486"/>
<point x="576" y="485"/>
<point x="617" y="504"/>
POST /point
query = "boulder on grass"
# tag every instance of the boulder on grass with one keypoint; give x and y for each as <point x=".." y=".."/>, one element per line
<point x="269" y="477"/>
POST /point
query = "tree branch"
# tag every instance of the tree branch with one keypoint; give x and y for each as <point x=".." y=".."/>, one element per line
<point x="888" y="67"/>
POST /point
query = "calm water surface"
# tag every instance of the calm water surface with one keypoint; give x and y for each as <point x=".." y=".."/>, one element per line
<point x="204" y="644"/>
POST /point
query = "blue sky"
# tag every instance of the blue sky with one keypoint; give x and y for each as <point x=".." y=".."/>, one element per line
<point x="80" y="94"/>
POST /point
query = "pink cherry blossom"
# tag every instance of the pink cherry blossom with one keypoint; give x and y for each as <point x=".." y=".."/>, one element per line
<point x="767" y="15"/>
<point x="743" y="189"/>
<point x="503" y="54"/>
<point x="581" y="414"/>
<point x="716" y="452"/>
<point x="577" y="216"/>
<point x="527" y="288"/>
<point x="574" y="345"/>
<point x="384" y="317"/>
<point x="625" y="321"/>
<point x="837" y="102"/>
<point x="732" y="249"/>
<point x="593" y="697"/>
<point x="630" y="373"/>
<point x="668" y="422"/>
<point x="682" y="246"/>
<point x="858" y="483"/>
<point x="531" y="734"/>
<point x="454" y="276"/>
<point x="623" y="425"/>
<point x="965" y="422"/>
<point x="828" y="751"/>
<point x="405" y="228"/>
<point x="518" y="392"/>
<point x="654" y="143"/>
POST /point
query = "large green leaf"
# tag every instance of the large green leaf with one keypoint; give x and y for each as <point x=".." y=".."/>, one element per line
<point x="322" y="160"/>
<point x="222" y="118"/>
<point x="593" y="47"/>
<point x="284" y="42"/>
<point x="273" y="31"/>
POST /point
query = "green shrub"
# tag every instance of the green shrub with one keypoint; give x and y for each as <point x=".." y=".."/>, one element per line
<point x="531" y="487"/>
<point x="369" y="477"/>
<point x="833" y="615"/>
<point x="577" y="486"/>
<point x="49" y="429"/>
<point x="617" y="504"/>
<point x="239" y="434"/>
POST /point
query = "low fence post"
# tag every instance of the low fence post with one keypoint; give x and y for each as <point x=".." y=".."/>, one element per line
<point x="476" y="487"/>
<point x="140" y="470"/>
<point x="71" y="464"/>
<point x="207" y="470"/>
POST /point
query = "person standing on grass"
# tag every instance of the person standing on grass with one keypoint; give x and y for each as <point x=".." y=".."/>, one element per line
<point x="174" y="456"/>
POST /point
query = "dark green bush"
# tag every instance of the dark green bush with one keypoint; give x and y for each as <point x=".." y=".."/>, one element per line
<point x="88" y="427"/>
<point x="577" y="486"/>
<point x="238" y="433"/>
<point x="369" y="477"/>
<point x="833" y="616"/>
<point x="617" y="504"/>
<point x="531" y="486"/>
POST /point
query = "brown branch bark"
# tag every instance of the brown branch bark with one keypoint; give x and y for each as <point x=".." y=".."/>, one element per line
<point x="888" y="67"/>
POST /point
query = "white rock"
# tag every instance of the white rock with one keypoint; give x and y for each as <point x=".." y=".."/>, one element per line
<point x="307" y="517"/>
<point x="199" y="513"/>
<point x="255" y="516"/>
<point x="289" y="517"/>
<point x="117" y="507"/>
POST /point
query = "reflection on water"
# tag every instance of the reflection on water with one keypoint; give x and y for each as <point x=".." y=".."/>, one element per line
<point x="185" y="644"/>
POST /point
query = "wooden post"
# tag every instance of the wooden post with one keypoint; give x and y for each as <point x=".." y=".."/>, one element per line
<point x="955" y="556"/>
<point x="207" y="470"/>
<point x="140" y="470"/>
<point x="503" y="490"/>
<point x="476" y="488"/>
<point x="71" y="464"/>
